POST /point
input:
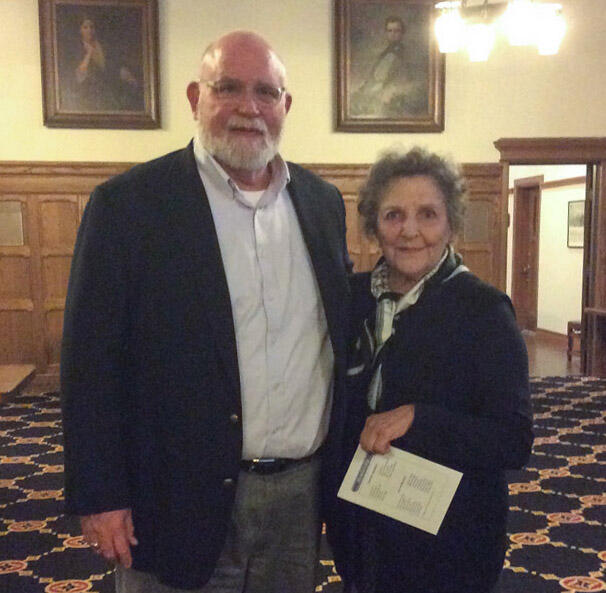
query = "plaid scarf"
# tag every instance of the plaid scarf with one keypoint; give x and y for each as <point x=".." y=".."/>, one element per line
<point x="389" y="304"/>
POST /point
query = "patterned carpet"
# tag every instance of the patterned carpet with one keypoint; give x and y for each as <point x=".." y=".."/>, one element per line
<point x="557" y="522"/>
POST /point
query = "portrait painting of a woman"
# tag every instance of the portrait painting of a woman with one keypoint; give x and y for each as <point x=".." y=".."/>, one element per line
<point x="100" y="61"/>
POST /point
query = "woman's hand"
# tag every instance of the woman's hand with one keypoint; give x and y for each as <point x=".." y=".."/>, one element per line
<point x="89" y="48"/>
<point x="82" y="69"/>
<point x="381" y="429"/>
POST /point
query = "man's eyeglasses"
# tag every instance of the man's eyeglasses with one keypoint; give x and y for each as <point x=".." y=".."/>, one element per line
<point x="234" y="90"/>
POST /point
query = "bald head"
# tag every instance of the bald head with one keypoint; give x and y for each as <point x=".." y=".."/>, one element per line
<point x="240" y="44"/>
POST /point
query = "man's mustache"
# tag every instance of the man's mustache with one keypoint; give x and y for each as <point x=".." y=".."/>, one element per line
<point x="236" y="121"/>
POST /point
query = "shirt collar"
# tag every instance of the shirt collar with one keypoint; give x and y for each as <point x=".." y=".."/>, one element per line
<point x="209" y="166"/>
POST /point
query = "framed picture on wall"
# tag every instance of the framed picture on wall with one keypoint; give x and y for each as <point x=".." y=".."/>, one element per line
<point x="99" y="63"/>
<point x="390" y="73"/>
<point x="576" y="223"/>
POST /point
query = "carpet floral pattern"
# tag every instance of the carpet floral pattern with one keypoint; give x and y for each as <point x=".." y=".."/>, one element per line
<point x="557" y="525"/>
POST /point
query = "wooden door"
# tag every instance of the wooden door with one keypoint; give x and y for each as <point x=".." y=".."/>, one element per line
<point x="525" y="264"/>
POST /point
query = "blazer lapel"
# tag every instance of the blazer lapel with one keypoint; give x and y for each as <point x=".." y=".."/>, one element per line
<point x="206" y="256"/>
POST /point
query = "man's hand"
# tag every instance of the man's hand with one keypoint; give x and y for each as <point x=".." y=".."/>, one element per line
<point x="111" y="535"/>
<point x="381" y="429"/>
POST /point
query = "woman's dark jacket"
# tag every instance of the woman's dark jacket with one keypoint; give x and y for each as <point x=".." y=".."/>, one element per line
<point x="458" y="355"/>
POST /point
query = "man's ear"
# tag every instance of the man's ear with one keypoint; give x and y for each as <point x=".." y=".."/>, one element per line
<point x="193" y="96"/>
<point x="287" y="102"/>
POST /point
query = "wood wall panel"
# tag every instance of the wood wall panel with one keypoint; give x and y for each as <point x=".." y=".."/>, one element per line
<point x="477" y="259"/>
<point x="59" y="220"/>
<point x="55" y="274"/>
<point x="17" y="339"/>
<point x="14" y="277"/>
<point x="485" y="227"/>
<point x="53" y="197"/>
<point x="53" y="330"/>
<point x="34" y="276"/>
<point x="11" y="220"/>
<point x="349" y="178"/>
<point x="354" y="234"/>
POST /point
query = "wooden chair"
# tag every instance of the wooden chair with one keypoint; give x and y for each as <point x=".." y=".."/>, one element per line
<point x="574" y="329"/>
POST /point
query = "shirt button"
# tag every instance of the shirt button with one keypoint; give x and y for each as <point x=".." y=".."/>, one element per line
<point x="234" y="418"/>
<point x="228" y="483"/>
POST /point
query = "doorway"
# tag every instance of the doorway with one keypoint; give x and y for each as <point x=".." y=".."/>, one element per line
<point x="590" y="152"/>
<point x="525" y="260"/>
<point x="545" y="274"/>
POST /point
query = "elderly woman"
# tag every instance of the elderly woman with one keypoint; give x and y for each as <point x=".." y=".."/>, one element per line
<point x="438" y="369"/>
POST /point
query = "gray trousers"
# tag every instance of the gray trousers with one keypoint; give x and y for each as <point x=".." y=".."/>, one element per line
<point x="272" y="543"/>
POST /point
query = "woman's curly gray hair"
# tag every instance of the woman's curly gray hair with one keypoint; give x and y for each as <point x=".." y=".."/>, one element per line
<point x="417" y="161"/>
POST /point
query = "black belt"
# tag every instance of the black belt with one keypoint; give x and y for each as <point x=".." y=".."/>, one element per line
<point x="271" y="465"/>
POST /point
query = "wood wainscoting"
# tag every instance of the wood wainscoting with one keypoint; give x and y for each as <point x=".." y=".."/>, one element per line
<point x="44" y="202"/>
<point x="34" y="270"/>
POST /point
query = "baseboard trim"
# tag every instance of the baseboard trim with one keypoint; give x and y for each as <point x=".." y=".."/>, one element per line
<point x="551" y="337"/>
<point x="548" y="333"/>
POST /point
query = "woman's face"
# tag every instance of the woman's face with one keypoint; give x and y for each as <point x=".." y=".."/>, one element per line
<point x="87" y="30"/>
<point x="412" y="229"/>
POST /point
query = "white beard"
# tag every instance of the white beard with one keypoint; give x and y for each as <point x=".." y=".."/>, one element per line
<point x="249" y="157"/>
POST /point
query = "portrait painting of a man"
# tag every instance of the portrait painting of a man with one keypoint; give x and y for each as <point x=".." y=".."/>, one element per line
<point x="391" y="67"/>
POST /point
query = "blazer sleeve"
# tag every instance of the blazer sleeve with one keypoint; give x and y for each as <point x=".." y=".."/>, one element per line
<point x="498" y="435"/>
<point x="93" y="363"/>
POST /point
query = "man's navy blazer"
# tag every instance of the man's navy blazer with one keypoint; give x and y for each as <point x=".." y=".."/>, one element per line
<point x="149" y="369"/>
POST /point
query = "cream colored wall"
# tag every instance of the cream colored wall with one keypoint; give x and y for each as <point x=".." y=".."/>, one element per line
<point x="515" y="93"/>
<point x="560" y="267"/>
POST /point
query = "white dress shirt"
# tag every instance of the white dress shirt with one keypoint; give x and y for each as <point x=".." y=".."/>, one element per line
<point x="284" y="352"/>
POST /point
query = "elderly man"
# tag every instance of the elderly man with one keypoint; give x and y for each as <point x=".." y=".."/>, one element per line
<point x="203" y="348"/>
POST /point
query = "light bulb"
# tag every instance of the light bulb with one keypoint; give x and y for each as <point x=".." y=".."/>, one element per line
<point x="551" y="28"/>
<point x="480" y="40"/>
<point x="518" y="22"/>
<point x="450" y="29"/>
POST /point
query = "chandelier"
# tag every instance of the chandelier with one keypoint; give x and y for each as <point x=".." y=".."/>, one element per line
<point x="461" y="25"/>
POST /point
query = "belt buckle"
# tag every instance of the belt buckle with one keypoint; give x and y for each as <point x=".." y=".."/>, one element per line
<point x="264" y="465"/>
